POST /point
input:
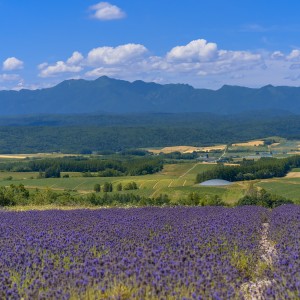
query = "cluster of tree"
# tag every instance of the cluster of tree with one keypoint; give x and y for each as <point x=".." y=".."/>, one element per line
<point x="130" y="186"/>
<point x="263" y="198"/>
<point x="194" y="199"/>
<point x="179" y="155"/>
<point x="19" y="195"/>
<point x="250" y="169"/>
<point x="135" y="152"/>
<point x="108" y="187"/>
<point x="126" y="199"/>
<point x="106" y="173"/>
<point x="51" y="172"/>
<point x="13" y="194"/>
<point x="90" y="167"/>
<point x="97" y="188"/>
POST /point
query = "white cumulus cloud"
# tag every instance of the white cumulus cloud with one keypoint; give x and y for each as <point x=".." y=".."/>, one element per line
<point x="12" y="63"/>
<point x="72" y="65"/>
<point x="105" y="11"/>
<point x="43" y="66"/>
<point x="231" y="61"/>
<point x="103" y="71"/>
<point x="58" y="68"/>
<point x="75" y="59"/>
<point x="239" y="56"/>
<point x="294" y="55"/>
<point x="199" y="63"/>
<point x="117" y="55"/>
<point x="277" y="55"/>
<point x="197" y="50"/>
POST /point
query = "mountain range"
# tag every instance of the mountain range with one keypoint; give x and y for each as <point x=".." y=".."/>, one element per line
<point x="107" y="95"/>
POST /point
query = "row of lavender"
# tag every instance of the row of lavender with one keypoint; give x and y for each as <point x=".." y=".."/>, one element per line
<point x="145" y="253"/>
<point x="285" y="233"/>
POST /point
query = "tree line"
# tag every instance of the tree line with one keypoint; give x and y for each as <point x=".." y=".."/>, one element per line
<point x="250" y="169"/>
<point x="108" y="187"/>
<point x="103" y="167"/>
<point x="179" y="155"/>
<point x="263" y="198"/>
<point x="19" y="195"/>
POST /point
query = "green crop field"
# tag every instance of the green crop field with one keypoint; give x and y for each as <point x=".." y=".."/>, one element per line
<point x="8" y="176"/>
<point x="176" y="180"/>
<point x="286" y="187"/>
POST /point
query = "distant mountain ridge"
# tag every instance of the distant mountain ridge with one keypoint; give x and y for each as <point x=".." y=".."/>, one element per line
<point x="107" y="95"/>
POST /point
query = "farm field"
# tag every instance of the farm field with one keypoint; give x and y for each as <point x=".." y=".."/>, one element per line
<point x="150" y="253"/>
<point x="286" y="147"/>
<point x="175" y="180"/>
<point x="250" y="144"/>
<point x="286" y="187"/>
<point x="281" y="148"/>
<point x="187" y="149"/>
<point x="35" y="155"/>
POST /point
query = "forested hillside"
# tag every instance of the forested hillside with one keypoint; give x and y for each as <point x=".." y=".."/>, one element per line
<point x="84" y="134"/>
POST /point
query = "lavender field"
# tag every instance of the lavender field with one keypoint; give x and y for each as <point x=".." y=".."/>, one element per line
<point x="151" y="253"/>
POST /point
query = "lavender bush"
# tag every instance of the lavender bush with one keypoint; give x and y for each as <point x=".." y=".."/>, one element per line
<point x="285" y="233"/>
<point x="141" y="253"/>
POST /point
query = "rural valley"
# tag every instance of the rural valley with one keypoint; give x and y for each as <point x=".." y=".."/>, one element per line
<point x="149" y="150"/>
<point x="173" y="173"/>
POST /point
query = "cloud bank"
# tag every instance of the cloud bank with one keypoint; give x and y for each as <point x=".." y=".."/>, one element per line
<point x="191" y="62"/>
<point x="200" y="63"/>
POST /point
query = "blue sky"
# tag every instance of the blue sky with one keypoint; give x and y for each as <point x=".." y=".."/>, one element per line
<point x="203" y="43"/>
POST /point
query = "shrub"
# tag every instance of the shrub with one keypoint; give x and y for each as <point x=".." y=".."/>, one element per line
<point x="97" y="188"/>
<point x="107" y="187"/>
<point x="131" y="186"/>
<point x="263" y="198"/>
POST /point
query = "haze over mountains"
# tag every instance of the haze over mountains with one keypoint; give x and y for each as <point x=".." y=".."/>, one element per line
<point x="107" y="95"/>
